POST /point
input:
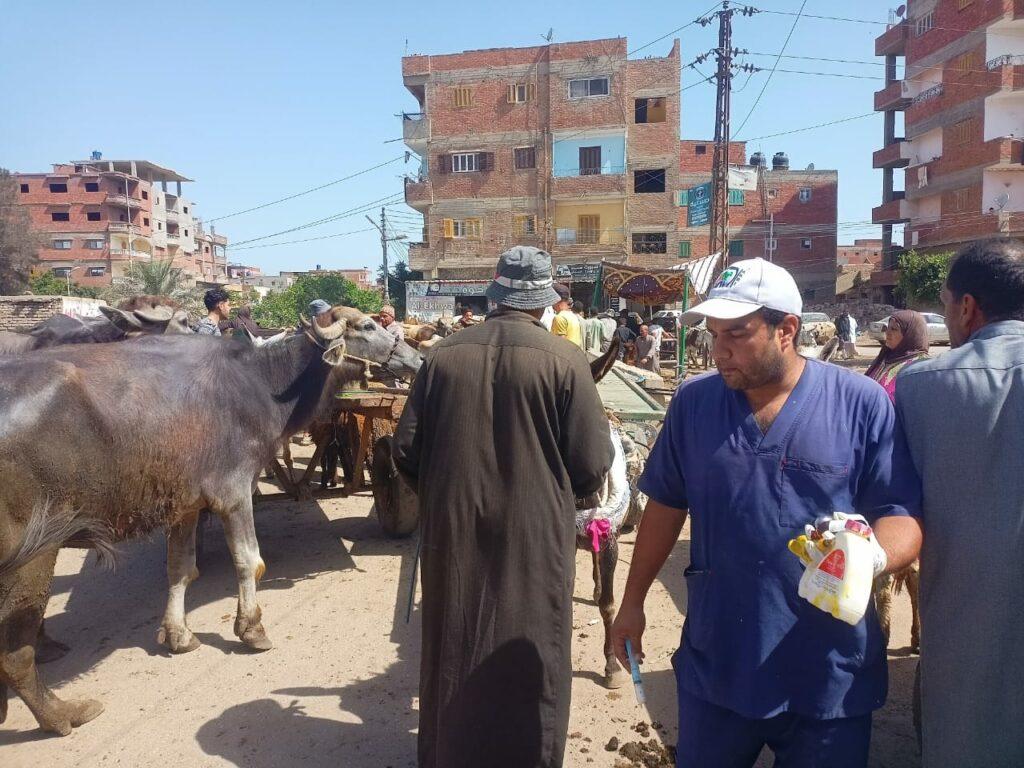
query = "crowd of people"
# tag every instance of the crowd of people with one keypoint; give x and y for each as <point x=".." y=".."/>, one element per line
<point x="923" y="454"/>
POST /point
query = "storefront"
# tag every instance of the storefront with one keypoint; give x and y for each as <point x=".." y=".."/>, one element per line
<point x="582" y="280"/>
<point x="427" y="300"/>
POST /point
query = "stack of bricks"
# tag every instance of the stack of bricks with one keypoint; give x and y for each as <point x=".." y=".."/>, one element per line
<point x="19" y="313"/>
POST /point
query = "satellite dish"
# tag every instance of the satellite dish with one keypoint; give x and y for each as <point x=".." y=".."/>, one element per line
<point x="901" y="10"/>
<point x="810" y="167"/>
<point x="1001" y="200"/>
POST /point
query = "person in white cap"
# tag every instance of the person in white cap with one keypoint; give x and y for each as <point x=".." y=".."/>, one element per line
<point x="753" y="453"/>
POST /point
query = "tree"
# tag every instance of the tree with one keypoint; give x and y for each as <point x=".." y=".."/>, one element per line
<point x="400" y="275"/>
<point x="922" y="275"/>
<point x="49" y="284"/>
<point x="158" y="278"/>
<point x="19" y="245"/>
<point x="281" y="309"/>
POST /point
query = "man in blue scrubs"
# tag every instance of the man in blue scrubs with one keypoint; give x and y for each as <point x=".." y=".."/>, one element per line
<point x="752" y="453"/>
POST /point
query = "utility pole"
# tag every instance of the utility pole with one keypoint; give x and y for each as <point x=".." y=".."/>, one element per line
<point x="384" y="240"/>
<point x="724" y="53"/>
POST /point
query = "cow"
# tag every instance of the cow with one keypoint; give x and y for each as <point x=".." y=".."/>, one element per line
<point x="134" y="317"/>
<point x="103" y="442"/>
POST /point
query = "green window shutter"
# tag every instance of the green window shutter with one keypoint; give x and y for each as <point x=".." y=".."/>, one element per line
<point x="683" y="198"/>
<point x="735" y="197"/>
<point x="735" y="249"/>
<point x="684" y="249"/>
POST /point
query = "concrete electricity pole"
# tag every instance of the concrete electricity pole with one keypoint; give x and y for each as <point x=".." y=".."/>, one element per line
<point x="384" y="240"/>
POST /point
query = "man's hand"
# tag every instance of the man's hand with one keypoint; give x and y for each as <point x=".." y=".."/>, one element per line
<point x="629" y="622"/>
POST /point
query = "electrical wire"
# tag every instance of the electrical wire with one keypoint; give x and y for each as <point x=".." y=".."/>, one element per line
<point x="305" y="240"/>
<point x="764" y="87"/>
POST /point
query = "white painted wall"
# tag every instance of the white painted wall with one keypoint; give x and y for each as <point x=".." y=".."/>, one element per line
<point x="995" y="183"/>
<point x="1004" y="115"/>
<point x="926" y="147"/>
<point x="1004" y="38"/>
<point x="918" y="80"/>
<point x="927" y="209"/>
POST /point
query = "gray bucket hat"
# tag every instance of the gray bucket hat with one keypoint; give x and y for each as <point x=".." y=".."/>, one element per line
<point x="316" y="306"/>
<point x="523" y="279"/>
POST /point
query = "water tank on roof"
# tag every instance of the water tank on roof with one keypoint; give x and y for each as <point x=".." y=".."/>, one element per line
<point x="780" y="161"/>
<point x="97" y="155"/>
<point x="757" y="160"/>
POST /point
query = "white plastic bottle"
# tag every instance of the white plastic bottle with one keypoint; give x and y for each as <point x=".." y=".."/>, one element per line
<point x="840" y="583"/>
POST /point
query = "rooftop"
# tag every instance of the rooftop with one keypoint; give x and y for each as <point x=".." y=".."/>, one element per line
<point x="143" y="169"/>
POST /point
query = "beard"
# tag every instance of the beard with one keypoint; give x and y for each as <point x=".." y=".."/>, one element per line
<point x="768" y="368"/>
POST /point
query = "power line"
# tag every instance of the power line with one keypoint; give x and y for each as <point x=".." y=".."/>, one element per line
<point x="674" y="31"/>
<point x="306" y="240"/>
<point x="764" y="87"/>
<point x="306" y="191"/>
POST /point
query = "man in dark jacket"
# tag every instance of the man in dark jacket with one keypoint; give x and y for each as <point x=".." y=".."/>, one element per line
<point x="502" y="429"/>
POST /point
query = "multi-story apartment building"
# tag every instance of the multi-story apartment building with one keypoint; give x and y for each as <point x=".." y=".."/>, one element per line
<point x="790" y="219"/>
<point x="571" y="147"/>
<point x="961" y="99"/>
<point x="860" y="252"/>
<point x="95" y="216"/>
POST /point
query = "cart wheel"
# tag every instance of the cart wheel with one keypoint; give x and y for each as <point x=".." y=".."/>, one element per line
<point x="395" y="502"/>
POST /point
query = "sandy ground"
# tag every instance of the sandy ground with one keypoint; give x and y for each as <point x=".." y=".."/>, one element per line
<point x="339" y="687"/>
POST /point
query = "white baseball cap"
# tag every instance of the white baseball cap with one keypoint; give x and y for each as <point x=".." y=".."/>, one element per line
<point x="747" y="286"/>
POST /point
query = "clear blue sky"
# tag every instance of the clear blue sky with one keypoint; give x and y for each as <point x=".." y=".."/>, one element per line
<point x="256" y="100"/>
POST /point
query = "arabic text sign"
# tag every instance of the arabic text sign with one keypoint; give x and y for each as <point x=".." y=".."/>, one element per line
<point x="698" y="210"/>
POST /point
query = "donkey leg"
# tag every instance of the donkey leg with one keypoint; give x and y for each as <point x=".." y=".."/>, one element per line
<point x="614" y="676"/>
<point x="181" y="571"/>
<point x="19" y="628"/>
<point x="249" y="567"/>
<point x="882" y="589"/>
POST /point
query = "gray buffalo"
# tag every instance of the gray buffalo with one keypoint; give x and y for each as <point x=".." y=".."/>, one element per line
<point x="102" y="442"/>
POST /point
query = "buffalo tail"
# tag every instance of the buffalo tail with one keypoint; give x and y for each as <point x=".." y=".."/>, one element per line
<point x="50" y="528"/>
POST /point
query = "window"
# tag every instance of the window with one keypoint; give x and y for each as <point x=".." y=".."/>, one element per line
<point x="159" y="225"/>
<point x="61" y="271"/>
<point x="525" y="157"/>
<point x="185" y="209"/>
<point x="62" y="245"/>
<point x="97" y="271"/>
<point x="186" y="233"/>
<point x="961" y="132"/>
<point x="772" y="194"/>
<point x="805" y="194"/>
<point x="461" y="228"/>
<point x="93" y="216"/>
<point x="94" y="245"/>
<point x="524" y="224"/>
<point x="684" y="249"/>
<point x="960" y="197"/>
<point x="24" y="188"/>
<point x="92" y="186"/>
<point x="736" y="197"/>
<point x="594" y="86"/>
<point x="158" y="201"/>
<point x="463" y="96"/>
<point x="520" y="93"/>
<point x="60" y="216"/>
<point x="145" y="195"/>
<point x="145" y="221"/>
<point x="650" y="242"/>
<point x="649" y="181"/>
<point x="464" y="162"/>
<point x="590" y="161"/>
<point x="964" y="63"/>
<point x="735" y="249"/>
<point x="683" y="198"/>
<point x="59" y="188"/>
<point x="924" y="24"/>
<point x="649" y="110"/>
<point x="588" y="229"/>
<point x="122" y="217"/>
<point x="805" y="243"/>
<point x="700" y="149"/>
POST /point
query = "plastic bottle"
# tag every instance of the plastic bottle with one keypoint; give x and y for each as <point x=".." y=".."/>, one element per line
<point x="840" y="582"/>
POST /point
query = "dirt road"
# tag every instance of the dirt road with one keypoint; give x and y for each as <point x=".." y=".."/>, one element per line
<point x="339" y="687"/>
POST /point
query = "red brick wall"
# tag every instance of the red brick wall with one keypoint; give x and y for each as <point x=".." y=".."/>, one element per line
<point x="691" y="162"/>
<point x="502" y="57"/>
<point x="949" y="23"/>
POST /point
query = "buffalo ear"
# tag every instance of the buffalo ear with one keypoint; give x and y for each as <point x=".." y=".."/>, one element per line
<point x="126" y="322"/>
<point x="599" y="367"/>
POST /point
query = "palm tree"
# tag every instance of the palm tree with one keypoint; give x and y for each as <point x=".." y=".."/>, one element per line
<point x="159" y="278"/>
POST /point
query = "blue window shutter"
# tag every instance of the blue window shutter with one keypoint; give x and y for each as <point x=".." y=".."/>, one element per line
<point x="735" y="197"/>
<point x="684" y="198"/>
<point x="735" y="248"/>
<point x="684" y="249"/>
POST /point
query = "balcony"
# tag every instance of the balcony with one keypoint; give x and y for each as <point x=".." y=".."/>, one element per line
<point x="172" y="215"/>
<point x="172" y="237"/>
<point x="415" y="129"/>
<point x="1010" y="69"/>
<point x="895" y="96"/>
<point x="893" y="42"/>
<point x="418" y="194"/>
<point x="419" y="256"/>
<point x="895" y="211"/>
<point x="119" y="226"/>
<point x="124" y="201"/>
<point x="895" y="155"/>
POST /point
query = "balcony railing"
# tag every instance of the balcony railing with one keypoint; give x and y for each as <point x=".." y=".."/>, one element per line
<point x="928" y="94"/>
<point x="172" y="215"/>
<point x="124" y="200"/>
<point x="894" y="155"/>
<point x="415" y="127"/>
<point x="893" y="41"/>
<point x="417" y="191"/>
<point x="1009" y="59"/>
<point x="569" y="236"/>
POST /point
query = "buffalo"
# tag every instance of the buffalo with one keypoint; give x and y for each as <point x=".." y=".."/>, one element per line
<point x="101" y="442"/>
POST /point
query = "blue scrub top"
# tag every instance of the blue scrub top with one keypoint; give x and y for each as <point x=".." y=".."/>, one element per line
<point x="750" y="643"/>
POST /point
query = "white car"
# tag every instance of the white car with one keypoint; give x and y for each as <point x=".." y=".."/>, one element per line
<point x="937" y="331"/>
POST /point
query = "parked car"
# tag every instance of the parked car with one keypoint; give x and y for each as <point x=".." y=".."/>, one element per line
<point x="937" y="331"/>
<point x="817" y="326"/>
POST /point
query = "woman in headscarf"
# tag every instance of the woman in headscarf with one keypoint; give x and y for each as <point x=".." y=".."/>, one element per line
<point x="906" y="342"/>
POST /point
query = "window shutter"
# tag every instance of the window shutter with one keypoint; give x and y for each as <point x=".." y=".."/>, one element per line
<point x="449" y="227"/>
<point x="683" y="197"/>
<point x="531" y="91"/>
<point x="485" y="161"/>
<point x="736" y="197"/>
<point x="735" y="248"/>
<point x="684" y="249"/>
<point x="444" y="163"/>
<point x="510" y="94"/>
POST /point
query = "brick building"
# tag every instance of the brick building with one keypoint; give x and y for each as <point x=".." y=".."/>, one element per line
<point x="860" y="252"/>
<point x="961" y="100"/>
<point x="571" y="147"/>
<point x="95" y="216"/>
<point x="790" y="219"/>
